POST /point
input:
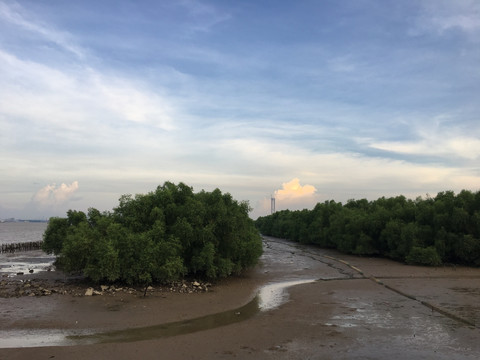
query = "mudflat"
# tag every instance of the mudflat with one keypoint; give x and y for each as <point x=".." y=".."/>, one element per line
<point x="357" y="308"/>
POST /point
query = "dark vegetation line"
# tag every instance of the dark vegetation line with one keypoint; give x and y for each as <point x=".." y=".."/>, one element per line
<point x="161" y="236"/>
<point x="431" y="231"/>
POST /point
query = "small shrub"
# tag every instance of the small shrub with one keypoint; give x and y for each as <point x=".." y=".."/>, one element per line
<point x="424" y="256"/>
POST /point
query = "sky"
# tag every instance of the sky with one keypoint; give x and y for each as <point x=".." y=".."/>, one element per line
<point x="306" y="101"/>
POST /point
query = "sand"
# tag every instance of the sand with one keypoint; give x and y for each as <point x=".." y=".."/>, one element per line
<point x="359" y="308"/>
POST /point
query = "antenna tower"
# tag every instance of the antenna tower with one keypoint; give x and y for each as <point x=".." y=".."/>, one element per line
<point x="272" y="204"/>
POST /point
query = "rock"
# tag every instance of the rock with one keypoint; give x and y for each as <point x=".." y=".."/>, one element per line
<point x="20" y="273"/>
<point x="196" y="284"/>
<point x="150" y="288"/>
<point x="95" y="292"/>
<point x="89" y="292"/>
<point x="104" y="287"/>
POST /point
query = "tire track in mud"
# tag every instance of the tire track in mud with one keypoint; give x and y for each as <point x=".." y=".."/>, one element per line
<point x="350" y="276"/>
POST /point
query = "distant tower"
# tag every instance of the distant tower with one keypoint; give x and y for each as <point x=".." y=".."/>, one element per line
<point x="272" y="204"/>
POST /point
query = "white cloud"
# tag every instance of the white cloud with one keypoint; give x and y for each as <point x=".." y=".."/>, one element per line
<point x="293" y="190"/>
<point x="53" y="195"/>
<point x="131" y="102"/>
<point x="467" y="148"/>
<point x="436" y="138"/>
<point x="77" y="99"/>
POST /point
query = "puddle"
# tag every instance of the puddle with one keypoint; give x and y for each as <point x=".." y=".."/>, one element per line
<point x="25" y="262"/>
<point x="34" y="338"/>
<point x="269" y="297"/>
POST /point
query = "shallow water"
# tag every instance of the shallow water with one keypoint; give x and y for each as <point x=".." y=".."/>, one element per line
<point x="273" y="295"/>
<point x="25" y="262"/>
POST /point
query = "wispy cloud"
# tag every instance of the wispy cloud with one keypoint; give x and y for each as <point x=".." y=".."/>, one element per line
<point x="436" y="139"/>
<point x="77" y="99"/>
<point x="204" y="16"/>
<point x="460" y="147"/>
<point x="17" y="15"/>
<point x="441" y="16"/>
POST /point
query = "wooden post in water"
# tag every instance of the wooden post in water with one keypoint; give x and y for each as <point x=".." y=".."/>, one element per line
<point x="23" y="246"/>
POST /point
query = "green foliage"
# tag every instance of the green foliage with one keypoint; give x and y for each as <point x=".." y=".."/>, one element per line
<point x="424" y="231"/>
<point x="54" y="235"/>
<point x="157" y="237"/>
<point x="423" y="256"/>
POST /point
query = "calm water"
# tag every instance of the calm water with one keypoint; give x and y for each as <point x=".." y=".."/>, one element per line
<point x="16" y="232"/>
<point x="24" y="261"/>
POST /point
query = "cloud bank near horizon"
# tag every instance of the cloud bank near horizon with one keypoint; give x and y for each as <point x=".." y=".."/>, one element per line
<point x="52" y="196"/>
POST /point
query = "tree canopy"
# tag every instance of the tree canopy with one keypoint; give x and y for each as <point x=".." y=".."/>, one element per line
<point x="431" y="231"/>
<point x="157" y="237"/>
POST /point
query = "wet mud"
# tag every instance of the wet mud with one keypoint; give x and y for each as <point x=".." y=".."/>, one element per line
<point x="311" y="303"/>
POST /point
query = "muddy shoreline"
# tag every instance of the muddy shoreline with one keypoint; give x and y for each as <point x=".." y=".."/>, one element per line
<point x="350" y="312"/>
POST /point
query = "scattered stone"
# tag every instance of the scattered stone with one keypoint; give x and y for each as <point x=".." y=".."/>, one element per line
<point x="89" y="292"/>
<point x="27" y="286"/>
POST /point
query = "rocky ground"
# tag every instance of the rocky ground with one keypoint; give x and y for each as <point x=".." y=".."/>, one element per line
<point x="36" y="285"/>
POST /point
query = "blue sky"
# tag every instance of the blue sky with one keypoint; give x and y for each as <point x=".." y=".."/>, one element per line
<point x="307" y="100"/>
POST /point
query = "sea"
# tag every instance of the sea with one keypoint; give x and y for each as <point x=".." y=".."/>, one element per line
<point x="23" y="262"/>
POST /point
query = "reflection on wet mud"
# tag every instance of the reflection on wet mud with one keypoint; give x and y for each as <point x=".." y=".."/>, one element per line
<point x="269" y="297"/>
<point x="173" y="328"/>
